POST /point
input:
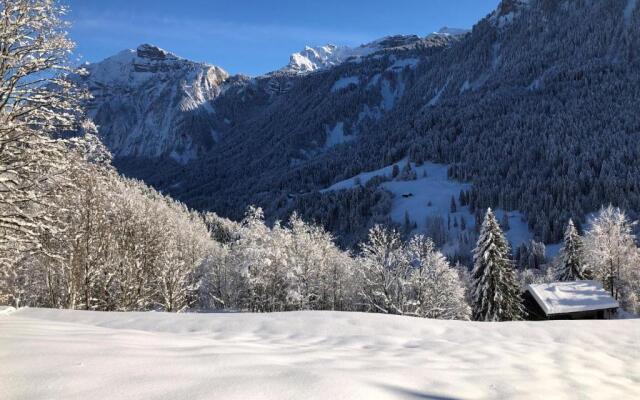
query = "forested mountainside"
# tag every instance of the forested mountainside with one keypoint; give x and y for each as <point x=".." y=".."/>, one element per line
<point x="537" y="107"/>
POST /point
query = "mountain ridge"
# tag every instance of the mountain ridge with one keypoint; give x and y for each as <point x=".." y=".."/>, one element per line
<point x="513" y="107"/>
<point x="316" y="58"/>
<point x="151" y="103"/>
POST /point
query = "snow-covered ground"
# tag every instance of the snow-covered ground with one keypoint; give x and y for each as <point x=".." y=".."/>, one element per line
<point x="430" y="196"/>
<point x="55" y="354"/>
<point x="629" y="9"/>
<point x="345" y="82"/>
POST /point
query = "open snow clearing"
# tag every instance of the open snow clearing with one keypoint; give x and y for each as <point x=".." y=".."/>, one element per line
<point x="57" y="354"/>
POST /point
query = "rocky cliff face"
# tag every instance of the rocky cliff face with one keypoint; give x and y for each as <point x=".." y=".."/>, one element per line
<point x="150" y="103"/>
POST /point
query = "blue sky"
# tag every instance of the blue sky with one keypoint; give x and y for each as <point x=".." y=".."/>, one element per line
<point x="252" y="36"/>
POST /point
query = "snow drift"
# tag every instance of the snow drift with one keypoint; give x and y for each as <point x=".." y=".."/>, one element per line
<point x="311" y="355"/>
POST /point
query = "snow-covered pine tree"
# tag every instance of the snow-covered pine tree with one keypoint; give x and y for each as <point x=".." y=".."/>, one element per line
<point x="496" y="292"/>
<point x="572" y="266"/>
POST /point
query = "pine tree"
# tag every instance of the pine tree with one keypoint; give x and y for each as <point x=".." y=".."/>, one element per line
<point x="496" y="293"/>
<point x="572" y="266"/>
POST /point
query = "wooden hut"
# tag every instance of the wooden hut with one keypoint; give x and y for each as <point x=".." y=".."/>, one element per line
<point x="569" y="300"/>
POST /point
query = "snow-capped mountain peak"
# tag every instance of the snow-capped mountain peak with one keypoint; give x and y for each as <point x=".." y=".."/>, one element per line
<point x="152" y="52"/>
<point x="321" y="57"/>
<point x="136" y="66"/>
<point x="145" y="99"/>
<point x="314" y="58"/>
<point x="447" y="31"/>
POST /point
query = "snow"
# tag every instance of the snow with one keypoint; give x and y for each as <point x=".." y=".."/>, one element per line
<point x="160" y="90"/>
<point x="368" y="112"/>
<point x="431" y="197"/>
<point x="465" y="86"/>
<point x="321" y="57"/>
<point x="446" y="31"/>
<point x="390" y="94"/>
<point x="506" y="19"/>
<point x="185" y="156"/>
<point x="479" y="82"/>
<point x="363" y="178"/>
<point x="336" y="136"/>
<point x="436" y="99"/>
<point x="345" y="82"/>
<point x="567" y="297"/>
<point x="404" y="63"/>
<point x="537" y="84"/>
<point x="502" y="19"/>
<point x="311" y="355"/>
<point x="128" y="67"/>
<point x="6" y="310"/>
<point x="374" y="80"/>
<point x="628" y="11"/>
<point x="496" y="59"/>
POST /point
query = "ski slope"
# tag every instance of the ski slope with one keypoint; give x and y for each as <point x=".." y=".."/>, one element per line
<point x="58" y="354"/>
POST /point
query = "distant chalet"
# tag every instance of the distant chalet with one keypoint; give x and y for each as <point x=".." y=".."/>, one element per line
<point x="569" y="300"/>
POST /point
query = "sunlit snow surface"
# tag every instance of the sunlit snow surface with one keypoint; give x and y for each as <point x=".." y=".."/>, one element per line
<point x="430" y="196"/>
<point x="55" y="354"/>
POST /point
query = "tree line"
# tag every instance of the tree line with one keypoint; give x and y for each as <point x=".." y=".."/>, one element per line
<point x="75" y="234"/>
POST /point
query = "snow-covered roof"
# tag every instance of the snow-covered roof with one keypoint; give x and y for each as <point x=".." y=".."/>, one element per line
<point x="571" y="297"/>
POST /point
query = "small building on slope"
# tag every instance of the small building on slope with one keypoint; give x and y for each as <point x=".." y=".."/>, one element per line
<point x="569" y="300"/>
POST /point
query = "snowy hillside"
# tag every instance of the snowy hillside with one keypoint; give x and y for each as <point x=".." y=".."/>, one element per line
<point x="429" y="196"/>
<point x="310" y="355"/>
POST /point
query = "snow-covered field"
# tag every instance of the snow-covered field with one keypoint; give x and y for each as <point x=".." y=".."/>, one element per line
<point x="54" y="354"/>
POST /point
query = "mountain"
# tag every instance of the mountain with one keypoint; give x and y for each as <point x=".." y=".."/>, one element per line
<point x="452" y="31"/>
<point x="322" y="57"/>
<point x="535" y="107"/>
<point x="151" y="103"/>
<point x="316" y="58"/>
